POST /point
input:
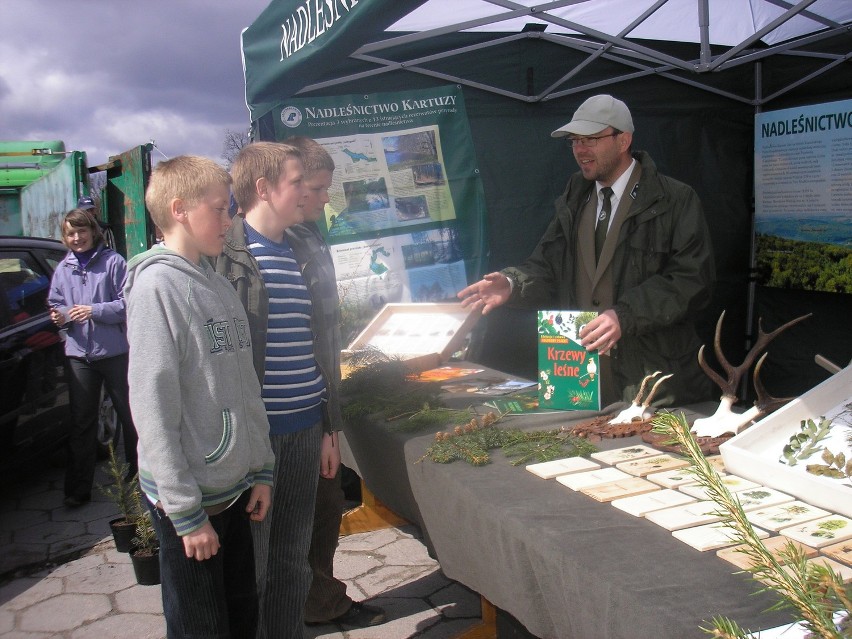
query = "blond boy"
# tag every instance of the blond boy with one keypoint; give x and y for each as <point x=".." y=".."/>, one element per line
<point x="204" y="455"/>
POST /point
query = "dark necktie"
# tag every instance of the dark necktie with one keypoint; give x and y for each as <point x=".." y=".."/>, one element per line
<point x="603" y="221"/>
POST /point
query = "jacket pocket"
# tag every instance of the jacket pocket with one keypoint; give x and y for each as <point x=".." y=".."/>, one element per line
<point x="225" y="441"/>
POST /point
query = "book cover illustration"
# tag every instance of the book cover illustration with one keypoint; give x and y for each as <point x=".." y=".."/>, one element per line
<point x="567" y="372"/>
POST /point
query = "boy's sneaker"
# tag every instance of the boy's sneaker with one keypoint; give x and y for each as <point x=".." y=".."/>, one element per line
<point x="360" y="615"/>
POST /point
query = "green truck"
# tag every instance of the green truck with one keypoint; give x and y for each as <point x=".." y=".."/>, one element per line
<point x="40" y="181"/>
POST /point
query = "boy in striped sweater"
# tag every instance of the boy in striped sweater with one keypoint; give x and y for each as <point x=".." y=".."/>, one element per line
<point x="258" y="261"/>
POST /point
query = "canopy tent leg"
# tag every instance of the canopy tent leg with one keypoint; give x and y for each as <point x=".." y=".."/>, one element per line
<point x="370" y="515"/>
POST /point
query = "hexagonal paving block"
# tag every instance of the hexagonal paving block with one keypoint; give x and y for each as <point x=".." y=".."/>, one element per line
<point x="64" y="612"/>
<point x="105" y="578"/>
<point x="26" y="591"/>
<point x="137" y="626"/>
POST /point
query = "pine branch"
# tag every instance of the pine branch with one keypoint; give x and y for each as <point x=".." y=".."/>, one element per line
<point x="813" y="590"/>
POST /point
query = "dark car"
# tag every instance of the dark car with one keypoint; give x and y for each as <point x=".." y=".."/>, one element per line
<point x="34" y="408"/>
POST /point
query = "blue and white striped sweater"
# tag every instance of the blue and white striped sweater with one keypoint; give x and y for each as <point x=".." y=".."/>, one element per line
<point x="293" y="387"/>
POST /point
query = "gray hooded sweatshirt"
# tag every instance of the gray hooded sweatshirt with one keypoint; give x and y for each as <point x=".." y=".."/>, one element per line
<point x="194" y="394"/>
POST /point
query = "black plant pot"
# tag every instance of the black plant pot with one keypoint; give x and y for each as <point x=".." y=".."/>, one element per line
<point x="146" y="565"/>
<point x="123" y="532"/>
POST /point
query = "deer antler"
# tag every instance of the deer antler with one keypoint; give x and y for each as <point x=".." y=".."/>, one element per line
<point x="735" y="373"/>
<point x="654" y="388"/>
<point x="642" y="386"/>
<point x="724" y="420"/>
<point x="765" y="402"/>
<point x="637" y="411"/>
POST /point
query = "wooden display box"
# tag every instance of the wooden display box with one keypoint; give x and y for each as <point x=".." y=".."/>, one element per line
<point x="755" y="452"/>
<point x="423" y="335"/>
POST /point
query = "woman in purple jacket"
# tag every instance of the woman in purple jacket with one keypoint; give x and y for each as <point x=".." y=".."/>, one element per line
<point x="87" y="300"/>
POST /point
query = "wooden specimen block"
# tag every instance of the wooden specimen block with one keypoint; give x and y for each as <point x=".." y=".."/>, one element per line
<point x="774" y="545"/>
<point x="622" y="488"/>
<point x="711" y="536"/>
<point x="733" y="483"/>
<point x="551" y="469"/>
<point x="841" y="552"/>
<point x="578" y="481"/>
<point x="624" y="454"/>
<point x="673" y="478"/>
<point x="821" y="532"/>
<point x="686" y="516"/>
<point x="775" y="518"/>
<point x="654" y="464"/>
<point x="640" y="505"/>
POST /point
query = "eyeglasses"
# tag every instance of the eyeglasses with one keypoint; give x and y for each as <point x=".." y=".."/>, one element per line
<point x="590" y="141"/>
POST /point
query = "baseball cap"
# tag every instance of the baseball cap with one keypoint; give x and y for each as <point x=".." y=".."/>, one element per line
<point x="596" y="114"/>
<point x="85" y="203"/>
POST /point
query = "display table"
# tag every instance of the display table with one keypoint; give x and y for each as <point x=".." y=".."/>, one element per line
<point x="561" y="563"/>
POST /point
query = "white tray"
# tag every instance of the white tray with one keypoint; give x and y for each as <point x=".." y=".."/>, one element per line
<point x="755" y="452"/>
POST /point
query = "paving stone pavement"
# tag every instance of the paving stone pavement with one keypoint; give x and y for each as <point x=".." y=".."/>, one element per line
<point x="61" y="577"/>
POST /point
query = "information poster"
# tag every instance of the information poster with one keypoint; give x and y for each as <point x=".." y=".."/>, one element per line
<point x="406" y="212"/>
<point x="803" y="197"/>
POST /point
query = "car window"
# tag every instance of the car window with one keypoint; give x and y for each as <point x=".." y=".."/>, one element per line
<point x="53" y="258"/>
<point x="23" y="286"/>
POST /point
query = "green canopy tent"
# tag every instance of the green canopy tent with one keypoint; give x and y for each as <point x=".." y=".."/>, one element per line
<point x="694" y="73"/>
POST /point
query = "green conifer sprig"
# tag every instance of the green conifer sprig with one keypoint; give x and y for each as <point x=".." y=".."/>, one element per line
<point x="814" y="590"/>
<point x="473" y="441"/>
<point x="381" y="386"/>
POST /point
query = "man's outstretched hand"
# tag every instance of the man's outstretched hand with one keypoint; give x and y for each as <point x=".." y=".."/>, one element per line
<point x="491" y="291"/>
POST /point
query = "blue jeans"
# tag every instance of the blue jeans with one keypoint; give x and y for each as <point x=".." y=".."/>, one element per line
<point x="214" y="598"/>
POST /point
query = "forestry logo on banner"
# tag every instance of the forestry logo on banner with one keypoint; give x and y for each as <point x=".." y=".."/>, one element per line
<point x="291" y="117"/>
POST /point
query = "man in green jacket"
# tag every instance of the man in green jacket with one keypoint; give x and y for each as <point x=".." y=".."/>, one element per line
<point x="629" y="243"/>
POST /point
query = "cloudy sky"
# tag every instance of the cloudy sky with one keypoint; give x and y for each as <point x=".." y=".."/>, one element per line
<point x="107" y="75"/>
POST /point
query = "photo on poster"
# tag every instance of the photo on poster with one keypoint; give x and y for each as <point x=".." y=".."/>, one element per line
<point x="409" y="150"/>
<point x="803" y="197"/>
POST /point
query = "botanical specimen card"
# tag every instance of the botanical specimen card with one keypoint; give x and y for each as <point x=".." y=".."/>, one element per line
<point x="732" y="482"/>
<point x="567" y="373"/>
<point x="821" y="532"/>
<point x="622" y="488"/>
<point x="653" y="464"/>
<point x="711" y="536"/>
<point x="774" y="545"/>
<point x="627" y="453"/>
<point x="640" y="505"/>
<point x="775" y="518"/>
<point x="557" y="467"/>
<point x="673" y="478"/>
<point x="761" y="497"/>
<point x="686" y="516"/>
<point x="578" y="481"/>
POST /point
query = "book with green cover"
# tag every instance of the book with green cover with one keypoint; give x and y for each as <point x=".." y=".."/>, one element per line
<point x="567" y="372"/>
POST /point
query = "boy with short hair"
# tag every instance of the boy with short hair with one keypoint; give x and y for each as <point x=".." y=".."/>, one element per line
<point x="205" y="463"/>
<point x="327" y="599"/>
<point x="257" y="259"/>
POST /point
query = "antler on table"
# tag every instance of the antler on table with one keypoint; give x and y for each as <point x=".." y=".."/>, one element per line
<point x="724" y="420"/>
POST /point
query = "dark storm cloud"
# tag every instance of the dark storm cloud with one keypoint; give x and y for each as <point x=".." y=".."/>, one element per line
<point x="106" y="76"/>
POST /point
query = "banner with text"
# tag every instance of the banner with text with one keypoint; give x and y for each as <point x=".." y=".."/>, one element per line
<point x="803" y="197"/>
<point x="406" y="214"/>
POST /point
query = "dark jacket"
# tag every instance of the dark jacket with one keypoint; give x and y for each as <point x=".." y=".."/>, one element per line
<point x="238" y="265"/>
<point x="662" y="276"/>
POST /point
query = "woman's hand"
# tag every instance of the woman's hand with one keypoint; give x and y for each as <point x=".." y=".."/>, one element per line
<point x="80" y="313"/>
